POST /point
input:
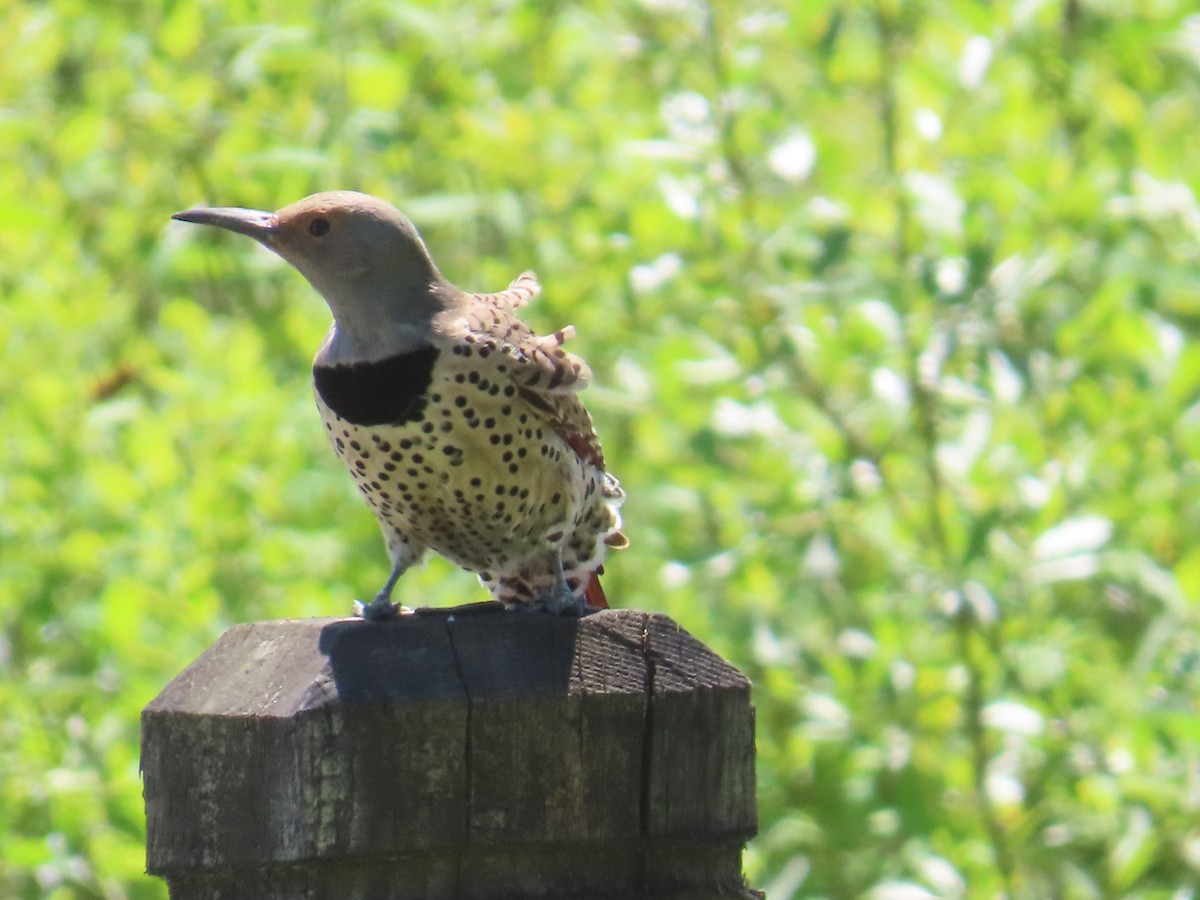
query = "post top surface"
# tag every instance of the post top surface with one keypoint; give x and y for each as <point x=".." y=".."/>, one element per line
<point x="285" y="667"/>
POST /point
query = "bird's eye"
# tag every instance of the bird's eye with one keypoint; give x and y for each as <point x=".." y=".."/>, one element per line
<point x="318" y="226"/>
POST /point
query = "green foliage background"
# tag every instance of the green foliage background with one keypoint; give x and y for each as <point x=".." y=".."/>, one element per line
<point x="891" y="309"/>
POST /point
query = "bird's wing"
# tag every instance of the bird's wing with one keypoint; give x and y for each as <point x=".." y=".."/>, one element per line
<point x="522" y="289"/>
<point x="485" y="333"/>
<point x="570" y="420"/>
<point x="484" y="328"/>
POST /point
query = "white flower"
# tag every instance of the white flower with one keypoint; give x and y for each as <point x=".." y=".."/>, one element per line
<point x="792" y="159"/>
<point x="976" y="58"/>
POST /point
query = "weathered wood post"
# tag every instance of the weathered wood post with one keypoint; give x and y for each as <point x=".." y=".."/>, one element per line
<point x="480" y="755"/>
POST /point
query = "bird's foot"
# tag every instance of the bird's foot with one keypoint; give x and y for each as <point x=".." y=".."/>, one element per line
<point x="380" y="609"/>
<point x="559" y="601"/>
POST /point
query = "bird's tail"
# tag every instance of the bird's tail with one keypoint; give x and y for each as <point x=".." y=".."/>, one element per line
<point x="594" y="594"/>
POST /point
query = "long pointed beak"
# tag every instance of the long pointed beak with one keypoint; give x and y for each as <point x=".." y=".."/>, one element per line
<point x="262" y="226"/>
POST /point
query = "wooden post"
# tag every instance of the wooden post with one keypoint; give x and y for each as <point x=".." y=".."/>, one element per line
<point x="469" y="755"/>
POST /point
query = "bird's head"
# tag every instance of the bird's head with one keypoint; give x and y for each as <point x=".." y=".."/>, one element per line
<point x="359" y="252"/>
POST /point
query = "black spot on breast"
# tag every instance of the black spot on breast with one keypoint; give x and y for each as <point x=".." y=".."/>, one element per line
<point x="386" y="392"/>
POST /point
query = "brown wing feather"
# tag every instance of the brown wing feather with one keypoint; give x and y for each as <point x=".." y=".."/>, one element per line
<point x="477" y="325"/>
<point x="569" y="418"/>
<point x="520" y="291"/>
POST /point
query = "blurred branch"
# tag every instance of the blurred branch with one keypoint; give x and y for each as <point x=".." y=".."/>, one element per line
<point x="925" y="411"/>
<point x="725" y="119"/>
<point x="856" y="445"/>
<point x="966" y="630"/>
<point x="924" y="400"/>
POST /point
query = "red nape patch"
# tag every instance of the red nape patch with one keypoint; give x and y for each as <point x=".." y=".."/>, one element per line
<point x="594" y="595"/>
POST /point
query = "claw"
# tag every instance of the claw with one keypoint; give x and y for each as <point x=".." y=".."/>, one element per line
<point x="379" y="610"/>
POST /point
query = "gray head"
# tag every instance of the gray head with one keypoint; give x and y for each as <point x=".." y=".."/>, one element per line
<point x="363" y="256"/>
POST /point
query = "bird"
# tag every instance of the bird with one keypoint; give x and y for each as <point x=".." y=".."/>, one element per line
<point x="462" y="427"/>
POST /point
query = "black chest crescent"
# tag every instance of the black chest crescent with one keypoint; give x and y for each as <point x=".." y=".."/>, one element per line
<point x="389" y="391"/>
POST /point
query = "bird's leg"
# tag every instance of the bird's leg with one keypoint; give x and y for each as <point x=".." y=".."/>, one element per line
<point x="403" y="554"/>
<point x="382" y="607"/>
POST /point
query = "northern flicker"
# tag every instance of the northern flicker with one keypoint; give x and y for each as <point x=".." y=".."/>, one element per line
<point x="462" y="428"/>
